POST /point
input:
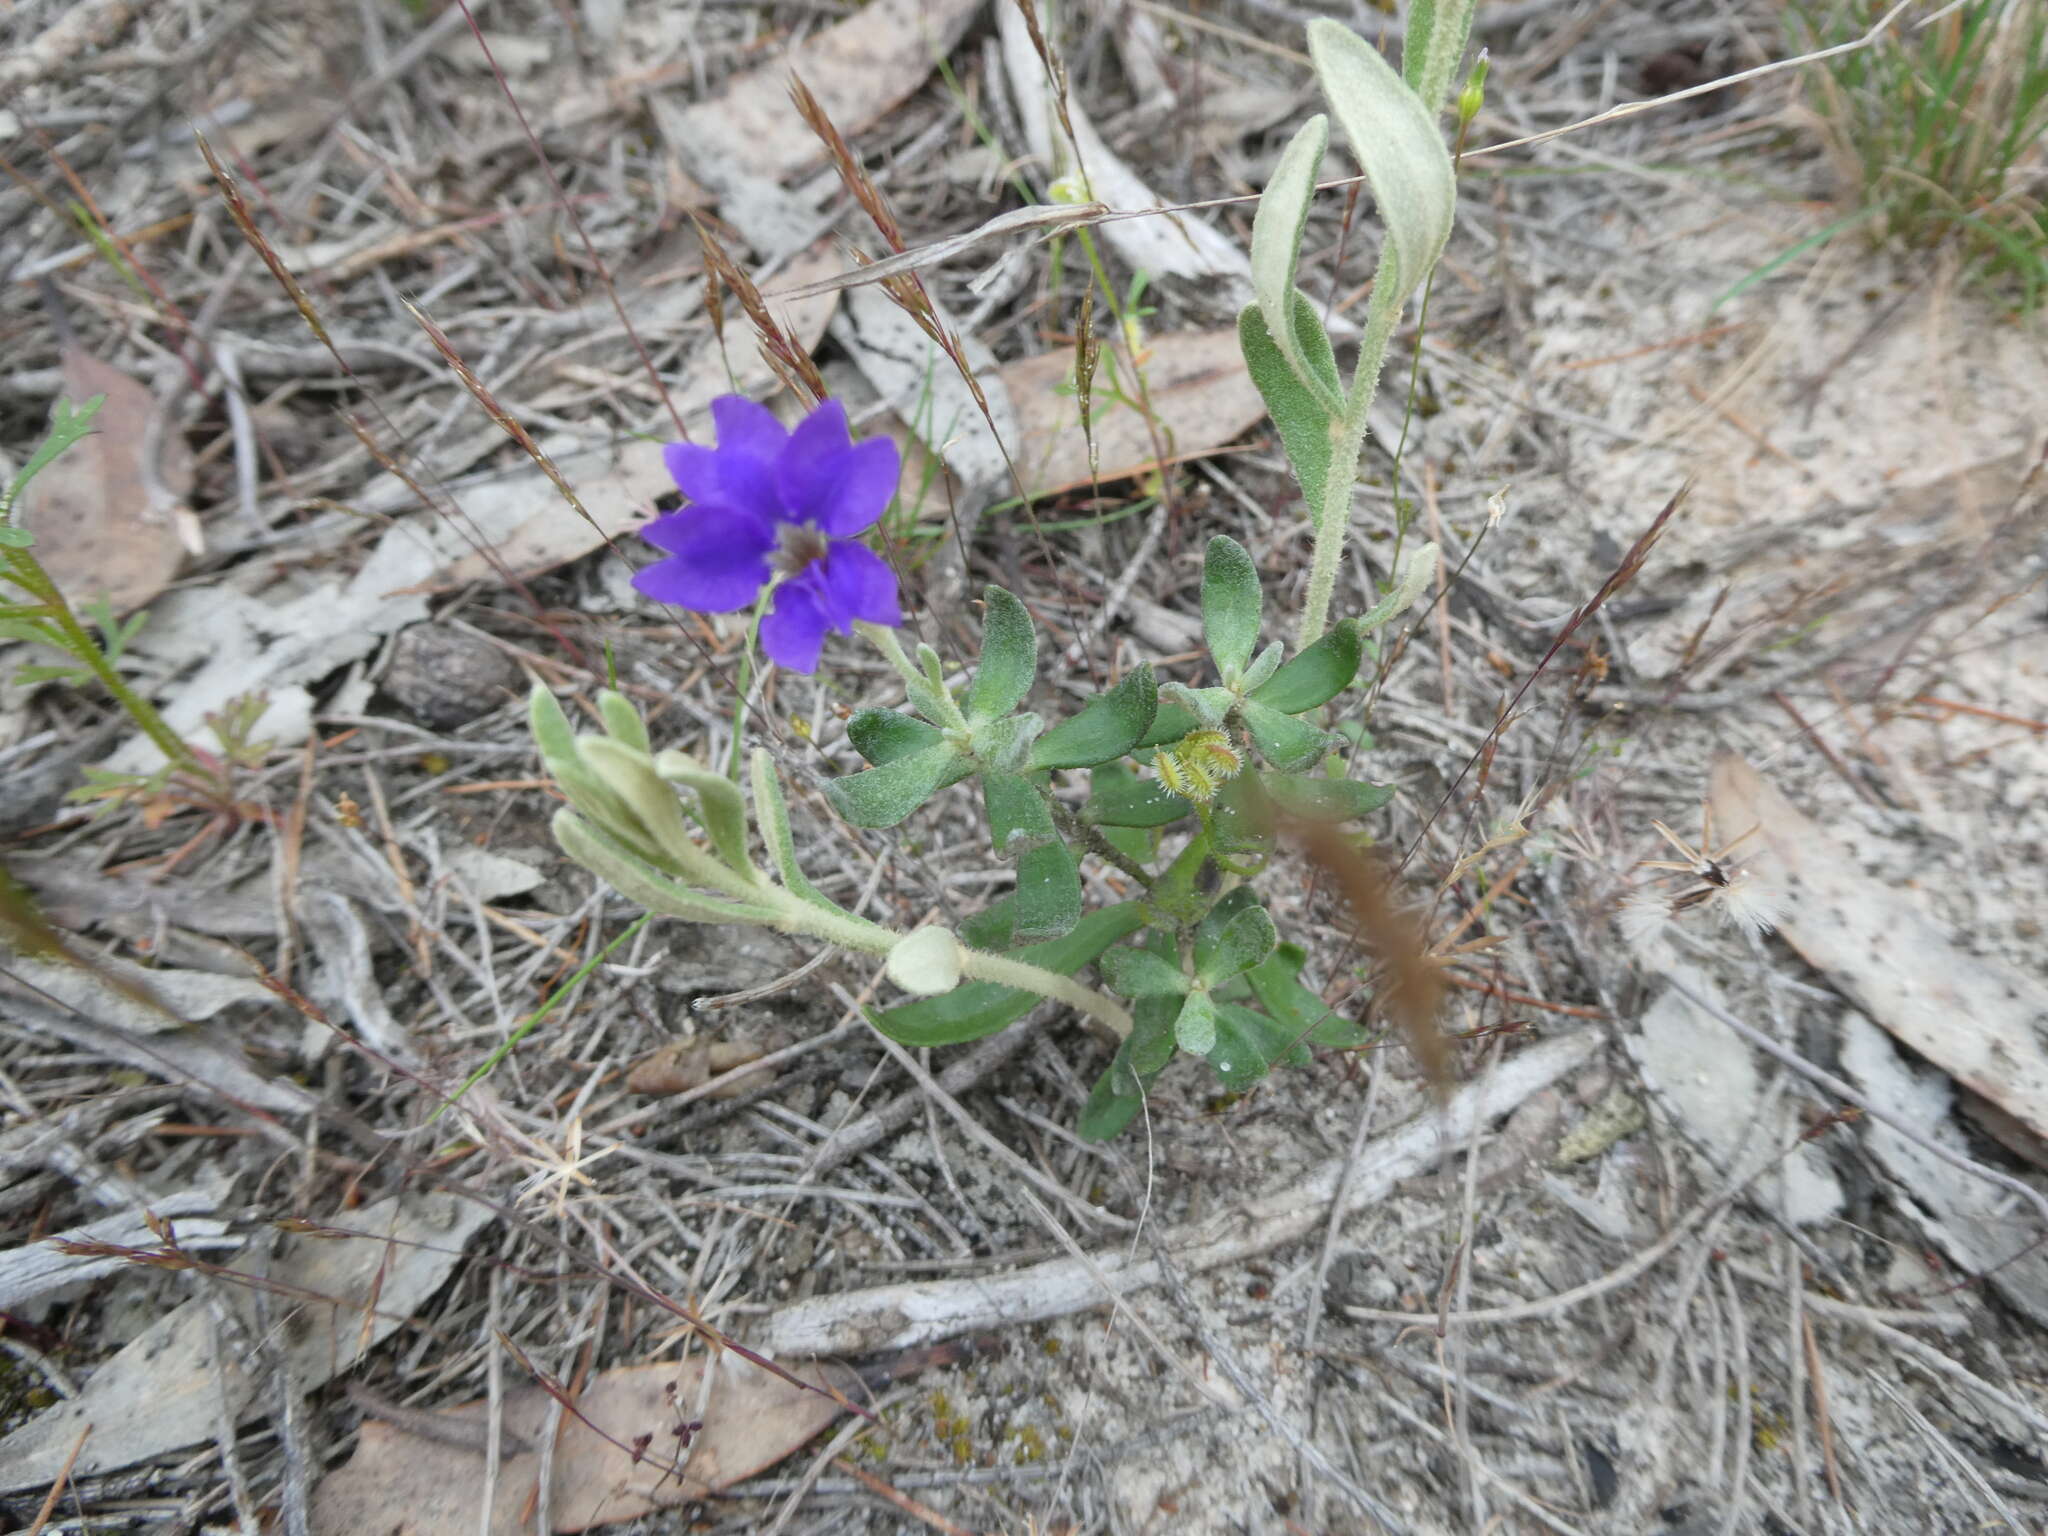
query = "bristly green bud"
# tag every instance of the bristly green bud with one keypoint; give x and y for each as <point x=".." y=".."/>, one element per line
<point x="1473" y="96"/>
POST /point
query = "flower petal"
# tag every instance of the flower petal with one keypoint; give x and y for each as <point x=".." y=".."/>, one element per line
<point x="747" y="428"/>
<point x="718" y="559"/>
<point x="862" y="479"/>
<point x="794" y="632"/>
<point x="853" y="582"/>
<point x="804" y="470"/>
<point x="726" y="477"/>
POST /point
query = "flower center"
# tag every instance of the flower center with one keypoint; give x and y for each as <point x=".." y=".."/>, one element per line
<point x="801" y="546"/>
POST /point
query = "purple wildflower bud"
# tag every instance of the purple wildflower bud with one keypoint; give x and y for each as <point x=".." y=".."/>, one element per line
<point x="768" y="502"/>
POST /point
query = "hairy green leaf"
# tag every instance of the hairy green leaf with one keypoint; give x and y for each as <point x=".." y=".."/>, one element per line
<point x="1276" y="981"/>
<point x="1231" y="604"/>
<point x="1283" y="740"/>
<point x="771" y="815"/>
<point x="1305" y="423"/>
<point x="1317" y="675"/>
<point x="1194" y="1028"/>
<point x="1018" y="818"/>
<point x="620" y="867"/>
<point x="1326" y="799"/>
<point x="1107" y="726"/>
<point x="884" y="735"/>
<point x="1235" y="936"/>
<point x="1009" y="658"/>
<point x="1122" y="799"/>
<point x="1247" y="1045"/>
<point x="1276" y="247"/>
<point x="1048" y="892"/>
<point x="1399" y="146"/>
<point x="719" y="805"/>
<point x="622" y="721"/>
<point x="1138" y="973"/>
<point x="884" y="796"/>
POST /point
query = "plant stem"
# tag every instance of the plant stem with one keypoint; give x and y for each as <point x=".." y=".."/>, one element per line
<point x="1026" y="977"/>
<point x="27" y="573"/>
<point x="936" y="705"/>
<point x="1333" y="519"/>
<point x="795" y="915"/>
<point x="1074" y="829"/>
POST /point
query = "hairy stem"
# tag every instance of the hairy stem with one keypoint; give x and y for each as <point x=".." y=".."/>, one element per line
<point x="1333" y="518"/>
<point x="795" y="915"/>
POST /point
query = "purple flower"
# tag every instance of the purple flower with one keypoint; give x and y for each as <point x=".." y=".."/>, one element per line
<point x="768" y="502"/>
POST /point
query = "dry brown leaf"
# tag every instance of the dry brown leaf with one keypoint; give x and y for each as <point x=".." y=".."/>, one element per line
<point x="403" y="1483"/>
<point x="858" y="70"/>
<point x="1202" y="396"/>
<point x="1971" y="1015"/>
<point x="682" y="1065"/>
<point x="523" y="516"/>
<point x="101" y="530"/>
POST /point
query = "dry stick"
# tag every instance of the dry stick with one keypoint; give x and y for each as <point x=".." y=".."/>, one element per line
<point x="57" y="1485"/>
<point x="1743" y="1429"/>
<point x="1823" y="1420"/>
<point x="868" y="1321"/>
<point x="1795" y="1370"/>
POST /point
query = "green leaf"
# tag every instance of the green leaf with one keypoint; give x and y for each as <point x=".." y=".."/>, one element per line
<point x="1009" y="658"/>
<point x="1151" y="1045"/>
<point x="1276" y="247"/>
<point x="1107" y="726"/>
<point x="884" y="735"/>
<point x="1276" y="981"/>
<point x="1194" y="1028"/>
<point x="1326" y="799"/>
<point x="1317" y="675"/>
<point x="1231" y="601"/>
<point x="1305" y="423"/>
<point x="1283" y="740"/>
<point x="1263" y="667"/>
<point x="1004" y="745"/>
<point x="1107" y="1111"/>
<point x="719" y="805"/>
<point x="992" y="927"/>
<point x="1247" y="1045"/>
<point x="656" y="812"/>
<point x="1171" y="723"/>
<point x="771" y="815"/>
<point x="1396" y="140"/>
<point x="983" y="1007"/>
<point x="1241" y="820"/>
<point x="552" y="732"/>
<point x="1415" y="44"/>
<point x="1048" y="892"/>
<point x="16" y="538"/>
<point x="1018" y="818"/>
<point x="1234" y="937"/>
<point x="1138" y="973"/>
<point x="1208" y="706"/>
<point x="621" y="720"/>
<point x="1122" y="799"/>
<point x="1416" y="572"/>
<point x="884" y="796"/>
<point x="620" y="867"/>
<point x="68" y="423"/>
